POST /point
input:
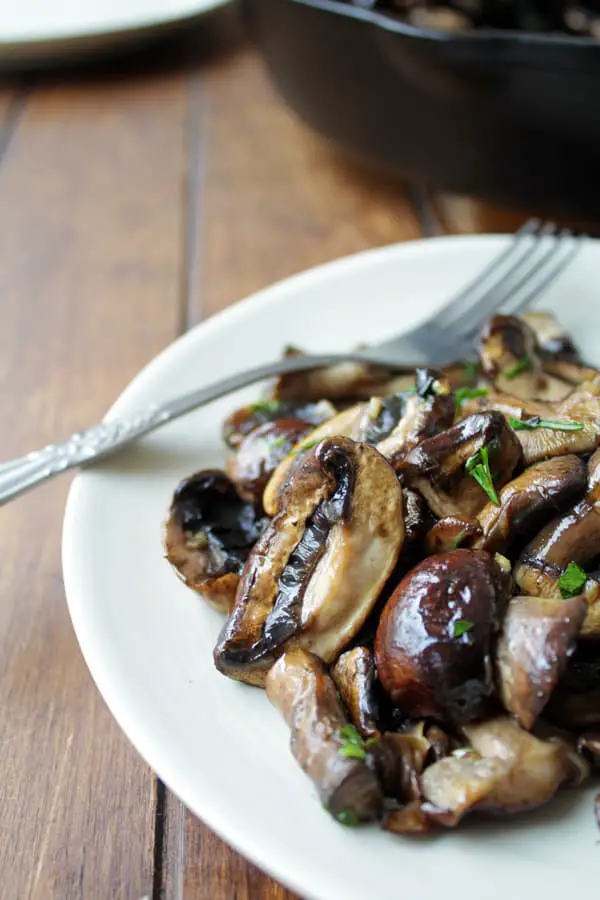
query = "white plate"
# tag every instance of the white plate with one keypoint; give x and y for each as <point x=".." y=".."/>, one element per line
<point x="147" y="639"/>
<point x="32" y="30"/>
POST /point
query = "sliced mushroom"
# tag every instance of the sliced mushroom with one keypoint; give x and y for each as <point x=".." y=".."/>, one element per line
<point x="240" y="423"/>
<point x="588" y="744"/>
<point x="209" y="534"/>
<point x="529" y="500"/>
<point x="317" y="569"/>
<point x="574" y="537"/>
<point x="347" y="423"/>
<point x="409" y="820"/>
<point x="552" y="339"/>
<point x="538" y="636"/>
<point x="537" y="768"/>
<point x="594" y="477"/>
<point x="457" y="785"/>
<point x="451" y="533"/>
<point x="399" y="760"/>
<point x="300" y="688"/>
<point x="433" y="647"/>
<point x="436" y="467"/>
<point x="509" y="356"/>
<point x="348" y="380"/>
<point x="427" y="411"/>
<point x="260" y="452"/>
<point x="574" y="711"/>
<point x="354" y="674"/>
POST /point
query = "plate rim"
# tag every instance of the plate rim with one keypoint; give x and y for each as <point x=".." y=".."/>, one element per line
<point x="138" y="732"/>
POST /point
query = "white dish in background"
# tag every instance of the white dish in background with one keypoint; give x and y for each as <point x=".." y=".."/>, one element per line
<point x="148" y="640"/>
<point x="40" y="30"/>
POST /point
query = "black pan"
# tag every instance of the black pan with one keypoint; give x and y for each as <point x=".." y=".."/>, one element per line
<point x="512" y="117"/>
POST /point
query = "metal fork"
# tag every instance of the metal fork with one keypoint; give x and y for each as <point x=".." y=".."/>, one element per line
<point x="536" y="255"/>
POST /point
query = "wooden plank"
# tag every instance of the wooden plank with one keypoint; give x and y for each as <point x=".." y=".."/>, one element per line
<point x="271" y="199"/>
<point x="90" y="241"/>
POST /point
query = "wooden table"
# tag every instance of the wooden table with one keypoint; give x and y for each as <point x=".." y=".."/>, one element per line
<point x="136" y="198"/>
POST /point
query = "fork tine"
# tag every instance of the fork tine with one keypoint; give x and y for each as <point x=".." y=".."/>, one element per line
<point x="517" y="304"/>
<point x="456" y="304"/>
<point x="466" y="322"/>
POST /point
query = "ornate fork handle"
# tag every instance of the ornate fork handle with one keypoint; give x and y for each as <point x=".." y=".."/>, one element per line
<point x="101" y="440"/>
<point x="93" y="443"/>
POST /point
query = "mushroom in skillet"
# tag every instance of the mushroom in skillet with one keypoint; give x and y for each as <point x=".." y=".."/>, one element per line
<point x="209" y="534"/>
<point x="323" y="742"/>
<point x="316" y="571"/>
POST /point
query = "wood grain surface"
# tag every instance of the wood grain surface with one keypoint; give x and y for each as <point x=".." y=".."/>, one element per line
<point x="136" y="198"/>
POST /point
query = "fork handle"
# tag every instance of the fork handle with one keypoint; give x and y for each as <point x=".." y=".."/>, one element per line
<point x="110" y="435"/>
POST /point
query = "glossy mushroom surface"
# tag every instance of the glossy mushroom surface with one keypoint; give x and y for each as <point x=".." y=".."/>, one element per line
<point x="433" y="647"/>
<point x="300" y="688"/>
<point x="209" y="535"/>
<point x="317" y="570"/>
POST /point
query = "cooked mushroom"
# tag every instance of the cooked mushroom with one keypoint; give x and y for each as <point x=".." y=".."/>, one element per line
<point x="209" y="534"/>
<point x="300" y="688"/>
<point x="353" y="675"/>
<point x="574" y="711"/>
<point x="509" y="356"/>
<point x="347" y="423"/>
<point x="260" y="452"/>
<point x="588" y="744"/>
<point x="241" y="422"/>
<point x="451" y="533"/>
<point x="536" y="768"/>
<point x="433" y="647"/>
<point x="399" y="760"/>
<point x="571" y="538"/>
<point x="317" y="569"/>
<point x="408" y="820"/>
<point x="347" y="380"/>
<point x="529" y="500"/>
<point x="429" y="409"/>
<point x="440" y="466"/>
<point x="457" y="785"/>
<point x="552" y="339"/>
<point x="538" y="636"/>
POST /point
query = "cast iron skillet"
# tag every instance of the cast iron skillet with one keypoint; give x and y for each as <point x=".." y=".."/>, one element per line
<point x="510" y="116"/>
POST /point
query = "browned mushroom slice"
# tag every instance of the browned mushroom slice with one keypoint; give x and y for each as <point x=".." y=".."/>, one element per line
<point x="244" y="420"/>
<point x="409" y="820"/>
<point x="588" y="744"/>
<point x="317" y="569"/>
<point x="399" y="760"/>
<point x="572" y="710"/>
<point x="209" y="534"/>
<point x="529" y="500"/>
<point x="427" y="411"/>
<point x="300" y="688"/>
<point x="594" y="477"/>
<point x="354" y="674"/>
<point x="457" y="785"/>
<point x="433" y="647"/>
<point x="437" y="467"/>
<point x="345" y="424"/>
<point x="536" y="768"/>
<point x="451" y="533"/>
<point x="260" y="452"/>
<point x="538" y="636"/>
<point x="552" y="339"/>
<point x="417" y="518"/>
<point x="339" y="382"/>
<point x="509" y="356"/>
<point x="572" y="538"/>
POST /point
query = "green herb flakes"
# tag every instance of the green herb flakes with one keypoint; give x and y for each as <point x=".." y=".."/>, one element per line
<point x="462" y="626"/>
<point x="534" y="422"/>
<point x="478" y="467"/>
<point x="572" y="581"/>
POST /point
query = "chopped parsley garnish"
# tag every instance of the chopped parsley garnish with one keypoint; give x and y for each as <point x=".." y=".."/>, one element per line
<point x="278" y="441"/>
<point x="353" y="745"/>
<point x="522" y="365"/>
<point x="536" y="422"/>
<point x="459" y="539"/>
<point x="348" y="817"/>
<point x="461" y="627"/>
<point x="478" y="467"/>
<point x="304" y="447"/>
<point x="572" y="580"/>
<point x="268" y="407"/>
<point x="469" y="393"/>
